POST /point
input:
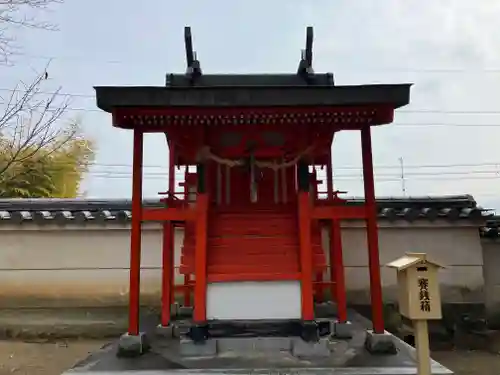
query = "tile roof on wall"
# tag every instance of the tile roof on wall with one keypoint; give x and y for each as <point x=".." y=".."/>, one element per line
<point x="492" y="227"/>
<point x="80" y="211"/>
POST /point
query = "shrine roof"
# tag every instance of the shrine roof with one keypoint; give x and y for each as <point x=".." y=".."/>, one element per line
<point x="225" y="91"/>
<point x="243" y="80"/>
<point x="81" y="211"/>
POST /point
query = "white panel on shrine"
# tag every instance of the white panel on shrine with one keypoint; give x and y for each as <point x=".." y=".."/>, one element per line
<point x="254" y="300"/>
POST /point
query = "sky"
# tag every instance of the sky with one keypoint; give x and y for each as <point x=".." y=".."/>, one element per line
<point x="447" y="139"/>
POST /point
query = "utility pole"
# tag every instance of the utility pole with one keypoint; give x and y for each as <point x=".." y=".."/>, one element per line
<point x="403" y="181"/>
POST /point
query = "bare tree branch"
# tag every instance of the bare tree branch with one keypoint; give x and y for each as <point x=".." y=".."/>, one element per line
<point x="13" y="14"/>
<point x="30" y="126"/>
<point x="32" y="129"/>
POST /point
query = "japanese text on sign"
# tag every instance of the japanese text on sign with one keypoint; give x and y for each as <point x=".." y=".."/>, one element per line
<point x="425" y="302"/>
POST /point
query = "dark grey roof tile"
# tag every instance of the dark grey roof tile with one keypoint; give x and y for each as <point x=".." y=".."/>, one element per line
<point x="450" y="213"/>
<point x="20" y="216"/>
<point x="106" y="215"/>
<point x="43" y="215"/>
<point x="410" y="213"/>
<point x="471" y="213"/>
<point x="388" y="213"/>
<point x="429" y="213"/>
<point x="25" y="215"/>
<point x="79" y="211"/>
<point x="62" y="217"/>
<point x="124" y="215"/>
<point x="491" y="228"/>
<point x="83" y="216"/>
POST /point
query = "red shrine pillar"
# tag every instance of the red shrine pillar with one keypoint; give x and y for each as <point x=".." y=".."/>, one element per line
<point x="168" y="249"/>
<point x="171" y="190"/>
<point x="306" y="265"/>
<point x="319" y="284"/>
<point x="135" y="235"/>
<point x="372" y="234"/>
<point x="329" y="176"/>
<point x="337" y="269"/>
<point x="187" y="276"/>
<point x="200" y="286"/>
<point x="167" y="267"/>
<point x="337" y="277"/>
<point x="331" y="257"/>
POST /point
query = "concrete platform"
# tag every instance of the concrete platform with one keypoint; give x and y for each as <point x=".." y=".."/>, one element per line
<point x="346" y="356"/>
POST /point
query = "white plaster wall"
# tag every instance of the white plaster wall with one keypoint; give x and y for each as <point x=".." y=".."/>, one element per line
<point x="457" y="248"/>
<point x="491" y="254"/>
<point x="60" y="266"/>
<point x="81" y="266"/>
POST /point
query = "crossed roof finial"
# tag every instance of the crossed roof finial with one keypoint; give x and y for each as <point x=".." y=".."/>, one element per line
<point x="305" y="66"/>
<point x="193" y="64"/>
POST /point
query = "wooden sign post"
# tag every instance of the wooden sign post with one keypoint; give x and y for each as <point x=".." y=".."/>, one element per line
<point x="419" y="300"/>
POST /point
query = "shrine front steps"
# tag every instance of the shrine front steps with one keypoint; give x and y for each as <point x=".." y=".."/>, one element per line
<point x="256" y="346"/>
<point x="251" y="246"/>
<point x="322" y="311"/>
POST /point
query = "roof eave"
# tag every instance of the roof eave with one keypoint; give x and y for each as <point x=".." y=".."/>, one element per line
<point x="109" y="97"/>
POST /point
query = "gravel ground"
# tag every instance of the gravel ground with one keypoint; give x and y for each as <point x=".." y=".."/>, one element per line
<point x="48" y="358"/>
<point x="43" y="358"/>
<point x="469" y="362"/>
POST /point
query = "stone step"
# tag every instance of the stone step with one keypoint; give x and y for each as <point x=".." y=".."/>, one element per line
<point x="246" y="346"/>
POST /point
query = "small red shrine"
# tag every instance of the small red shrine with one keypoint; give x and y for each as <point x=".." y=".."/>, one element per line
<point x="251" y="211"/>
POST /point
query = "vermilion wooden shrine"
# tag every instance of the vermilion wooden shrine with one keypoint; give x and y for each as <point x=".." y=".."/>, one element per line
<point x="251" y="211"/>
